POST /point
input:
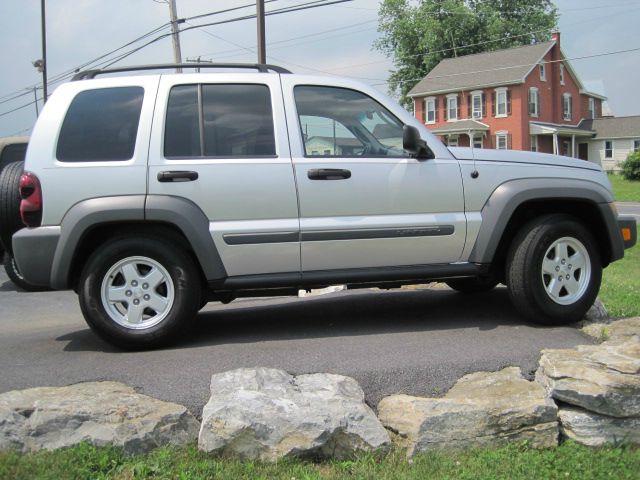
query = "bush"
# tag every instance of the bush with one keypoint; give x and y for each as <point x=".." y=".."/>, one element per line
<point x="631" y="166"/>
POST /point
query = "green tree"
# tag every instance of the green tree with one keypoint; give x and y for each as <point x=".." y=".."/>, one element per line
<point x="418" y="35"/>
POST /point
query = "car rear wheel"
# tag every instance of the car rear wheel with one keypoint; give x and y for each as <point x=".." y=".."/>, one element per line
<point x="10" y="221"/>
<point x="139" y="292"/>
<point x="554" y="270"/>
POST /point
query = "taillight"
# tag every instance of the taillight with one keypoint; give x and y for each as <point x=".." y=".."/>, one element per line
<point x="31" y="204"/>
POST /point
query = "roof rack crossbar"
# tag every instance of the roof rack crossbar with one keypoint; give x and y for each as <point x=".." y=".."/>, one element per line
<point x="261" y="67"/>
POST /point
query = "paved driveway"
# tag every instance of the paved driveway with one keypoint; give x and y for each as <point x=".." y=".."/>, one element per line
<point x="417" y="342"/>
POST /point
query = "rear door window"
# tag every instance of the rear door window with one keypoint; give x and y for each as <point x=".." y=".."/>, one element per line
<point x="220" y="120"/>
<point x="101" y="125"/>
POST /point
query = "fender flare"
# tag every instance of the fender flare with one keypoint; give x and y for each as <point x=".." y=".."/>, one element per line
<point x="178" y="212"/>
<point x="506" y="198"/>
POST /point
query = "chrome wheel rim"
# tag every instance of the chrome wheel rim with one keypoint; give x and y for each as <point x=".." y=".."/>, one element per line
<point x="566" y="271"/>
<point x="137" y="293"/>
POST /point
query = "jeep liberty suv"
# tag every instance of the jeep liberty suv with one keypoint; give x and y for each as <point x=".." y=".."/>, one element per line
<point x="150" y="195"/>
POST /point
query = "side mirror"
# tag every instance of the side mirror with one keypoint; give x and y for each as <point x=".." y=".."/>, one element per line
<point x="414" y="145"/>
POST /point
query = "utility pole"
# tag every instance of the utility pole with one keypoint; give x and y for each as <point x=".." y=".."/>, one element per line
<point x="44" y="52"/>
<point x="35" y="100"/>
<point x="175" y="34"/>
<point x="262" y="47"/>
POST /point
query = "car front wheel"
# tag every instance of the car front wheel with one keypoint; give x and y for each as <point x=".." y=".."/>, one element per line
<point x="139" y="292"/>
<point x="554" y="270"/>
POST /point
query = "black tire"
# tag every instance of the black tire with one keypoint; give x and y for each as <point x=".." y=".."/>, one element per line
<point x="472" y="285"/>
<point x="10" y="221"/>
<point x="184" y="279"/>
<point x="16" y="277"/>
<point x="527" y="282"/>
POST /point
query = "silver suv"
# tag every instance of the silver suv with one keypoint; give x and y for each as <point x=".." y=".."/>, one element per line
<point x="151" y="195"/>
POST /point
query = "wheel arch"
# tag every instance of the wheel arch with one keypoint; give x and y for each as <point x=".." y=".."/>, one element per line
<point x="91" y="223"/>
<point x="515" y="203"/>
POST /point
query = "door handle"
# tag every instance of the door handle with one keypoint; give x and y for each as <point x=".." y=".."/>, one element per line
<point x="328" y="174"/>
<point x="177" y="176"/>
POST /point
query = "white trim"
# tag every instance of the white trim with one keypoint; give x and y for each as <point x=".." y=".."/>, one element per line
<point x="502" y="134"/>
<point x="536" y="103"/>
<point x="452" y="96"/>
<point x="542" y="70"/>
<point x="604" y="149"/>
<point x="453" y="140"/>
<point x="473" y="140"/>
<point x="592" y="103"/>
<point x="498" y="91"/>
<point x="474" y="95"/>
<point x="633" y="145"/>
<point x="426" y="110"/>
<point x="566" y="96"/>
<point x="594" y="95"/>
<point x="535" y="147"/>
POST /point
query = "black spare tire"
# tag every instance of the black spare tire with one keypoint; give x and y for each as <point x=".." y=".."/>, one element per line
<point x="10" y="221"/>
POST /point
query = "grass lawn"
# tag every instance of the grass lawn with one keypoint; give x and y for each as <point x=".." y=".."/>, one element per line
<point x="625" y="190"/>
<point x="569" y="461"/>
<point x="620" y="291"/>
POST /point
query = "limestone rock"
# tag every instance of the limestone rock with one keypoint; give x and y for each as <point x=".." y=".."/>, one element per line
<point x="597" y="313"/>
<point x="481" y="409"/>
<point x="595" y="430"/>
<point x="600" y="378"/>
<point x="101" y="413"/>
<point x="618" y="331"/>
<point x="264" y="413"/>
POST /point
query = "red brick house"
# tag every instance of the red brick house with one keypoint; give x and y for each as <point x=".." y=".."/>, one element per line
<point x="523" y="98"/>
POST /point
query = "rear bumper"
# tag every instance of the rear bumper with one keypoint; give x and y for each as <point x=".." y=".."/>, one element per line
<point x="34" y="250"/>
<point x="629" y="231"/>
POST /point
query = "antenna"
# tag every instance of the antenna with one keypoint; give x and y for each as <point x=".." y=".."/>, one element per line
<point x="474" y="173"/>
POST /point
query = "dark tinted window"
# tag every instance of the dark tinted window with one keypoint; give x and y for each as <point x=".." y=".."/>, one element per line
<point x="182" y="133"/>
<point x="235" y="121"/>
<point x="338" y="122"/>
<point x="101" y="125"/>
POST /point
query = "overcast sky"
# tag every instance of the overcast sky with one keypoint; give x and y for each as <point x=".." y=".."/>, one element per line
<point x="81" y="30"/>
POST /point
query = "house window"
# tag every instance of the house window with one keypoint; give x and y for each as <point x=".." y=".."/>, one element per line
<point x="636" y="145"/>
<point x="452" y="107"/>
<point x="543" y="73"/>
<point x="567" y="106"/>
<point x="477" y="141"/>
<point x="534" y="102"/>
<point x="501" y="102"/>
<point x="608" y="149"/>
<point x="476" y="105"/>
<point x="501" y="140"/>
<point x="534" y="143"/>
<point x="592" y="108"/>
<point x="453" y="140"/>
<point x="561" y="74"/>
<point x="430" y="108"/>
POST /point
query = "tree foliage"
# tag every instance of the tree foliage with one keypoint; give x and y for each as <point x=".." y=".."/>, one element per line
<point x="418" y="35"/>
<point x="631" y="166"/>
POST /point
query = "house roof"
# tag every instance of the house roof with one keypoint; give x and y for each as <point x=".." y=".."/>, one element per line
<point x="614" y="127"/>
<point x="502" y="67"/>
<point x="461" y="126"/>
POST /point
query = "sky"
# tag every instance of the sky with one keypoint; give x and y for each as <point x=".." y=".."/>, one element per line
<point x="334" y="39"/>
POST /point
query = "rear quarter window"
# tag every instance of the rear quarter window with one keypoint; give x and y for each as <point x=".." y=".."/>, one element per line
<point x="101" y="125"/>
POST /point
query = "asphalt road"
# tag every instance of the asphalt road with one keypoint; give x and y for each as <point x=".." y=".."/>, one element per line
<point x="629" y="208"/>
<point x="413" y="341"/>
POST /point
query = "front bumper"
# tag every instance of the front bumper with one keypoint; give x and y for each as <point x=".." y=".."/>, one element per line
<point x="34" y="250"/>
<point x="629" y="231"/>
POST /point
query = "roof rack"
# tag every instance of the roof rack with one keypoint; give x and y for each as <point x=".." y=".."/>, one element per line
<point x="261" y="67"/>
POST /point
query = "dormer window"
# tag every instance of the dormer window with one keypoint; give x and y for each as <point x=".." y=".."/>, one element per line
<point x="543" y="72"/>
<point x="561" y="74"/>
